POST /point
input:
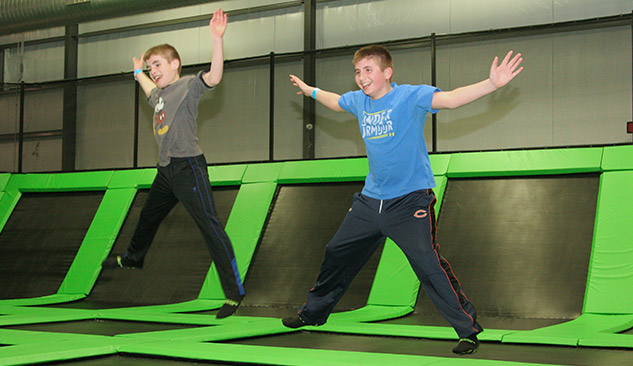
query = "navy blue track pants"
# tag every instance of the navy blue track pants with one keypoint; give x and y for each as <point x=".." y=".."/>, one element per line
<point x="187" y="180"/>
<point x="409" y="221"/>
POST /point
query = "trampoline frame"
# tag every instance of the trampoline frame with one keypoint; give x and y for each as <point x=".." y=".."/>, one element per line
<point x="607" y="309"/>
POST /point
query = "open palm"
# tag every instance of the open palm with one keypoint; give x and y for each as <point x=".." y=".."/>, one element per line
<point x="503" y="73"/>
<point x="217" y="24"/>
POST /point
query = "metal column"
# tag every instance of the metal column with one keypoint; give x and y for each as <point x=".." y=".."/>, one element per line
<point x="69" y="133"/>
<point x="309" y="76"/>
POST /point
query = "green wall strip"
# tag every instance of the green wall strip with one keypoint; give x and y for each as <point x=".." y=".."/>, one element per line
<point x="611" y="266"/>
<point x="529" y="162"/>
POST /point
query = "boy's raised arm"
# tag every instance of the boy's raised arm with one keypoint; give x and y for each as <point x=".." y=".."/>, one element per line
<point x="143" y="80"/>
<point x="326" y="98"/>
<point x="217" y="26"/>
<point x="500" y="75"/>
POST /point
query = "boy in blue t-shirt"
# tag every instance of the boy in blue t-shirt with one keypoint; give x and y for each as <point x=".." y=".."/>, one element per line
<point x="397" y="200"/>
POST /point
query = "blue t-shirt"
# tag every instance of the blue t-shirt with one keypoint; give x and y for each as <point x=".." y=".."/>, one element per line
<point x="393" y="130"/>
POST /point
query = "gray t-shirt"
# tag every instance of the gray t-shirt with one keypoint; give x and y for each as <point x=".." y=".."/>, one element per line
<point x="175" y="117"/>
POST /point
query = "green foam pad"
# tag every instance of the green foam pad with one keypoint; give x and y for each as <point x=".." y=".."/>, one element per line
<point x="88" y="181"/>
<point x="43" y="300"/>
<point x="182" y="307"/>
<point x="343" y="170"/>
<point x="233" y="328"/>
<point x="617" y="158"/>
<point x="16" y="336"/>
<point x="293" y="356"/>
<point x="98" y="241"/>
<point x="395" y="283"/>
<point x="243" y="227"/>
<point x="87" y="346"/>
<point x="226" y="174"/>
<point x="608" y="341"/>
<point x="411" y="331"/>
<point x="611" y="264"/>
<point x="4" y="179"/>
<point x="440" y="163"/>
<point x="156" y="317"/>
<point x="569" y="333"/>
<point x="126" y="178"/>
<point x="529" y="162"/>
<point x="147" y="178"/>
<point x="47" y="315"/>
<point x="267" y="172"/>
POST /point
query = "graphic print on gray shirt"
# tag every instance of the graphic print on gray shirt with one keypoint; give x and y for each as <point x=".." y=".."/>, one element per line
<point x="175" y="117"/>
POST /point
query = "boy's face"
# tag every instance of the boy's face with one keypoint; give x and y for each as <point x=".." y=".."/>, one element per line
<point x="162" y="71"/>
<point x="373" y="81"/>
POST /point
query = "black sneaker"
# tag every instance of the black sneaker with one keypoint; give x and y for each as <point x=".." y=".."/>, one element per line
<point x="293" y="322"/>
<point x="467" y="346"/>
<point x="229" y="307"/>
<point x="120" y="262"/>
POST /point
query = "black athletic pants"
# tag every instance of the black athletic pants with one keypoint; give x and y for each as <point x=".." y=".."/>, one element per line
<point x="409" y="221"/>
<point x="187" y="180"/>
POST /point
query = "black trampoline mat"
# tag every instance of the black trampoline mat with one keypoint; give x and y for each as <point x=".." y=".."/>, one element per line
<point x="442" y="348"/>
<point x="288" y="259"/>
<point x="40" y="241"/>
<point x="176" y="264"/>
<point x="520" y="247"/>
<point x="100" y="327"/>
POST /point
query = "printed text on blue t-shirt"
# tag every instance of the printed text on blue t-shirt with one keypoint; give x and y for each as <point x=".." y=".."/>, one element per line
<point x="377" y="125"/>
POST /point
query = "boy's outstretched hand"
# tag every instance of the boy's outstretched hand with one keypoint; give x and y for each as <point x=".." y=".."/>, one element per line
<point x="305" y="89"/>
<point x="502" y="74"/>
<point x="217" y="24"/>
<point x="138" y="63"/>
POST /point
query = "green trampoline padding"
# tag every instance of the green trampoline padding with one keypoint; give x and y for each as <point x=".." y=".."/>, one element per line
<point x="617" y="158"/>
<point x="4" y="179"/>
<point x="528" y="162"/>
<point x="591" y="326"/>
<point x="344" y="170"/>
<point x="293" y="356"/>
<point x="257" y="173"/>
<point x="607" y="309"/>
<point x="611" y="267"/>
<point x="226" y="175"/>
<point x="244" y="227"/>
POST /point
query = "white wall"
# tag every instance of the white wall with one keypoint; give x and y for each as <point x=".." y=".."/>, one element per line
<point x="575" y="90"/>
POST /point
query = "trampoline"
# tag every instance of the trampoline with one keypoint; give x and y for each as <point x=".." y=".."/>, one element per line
<point x="533" y="220"/>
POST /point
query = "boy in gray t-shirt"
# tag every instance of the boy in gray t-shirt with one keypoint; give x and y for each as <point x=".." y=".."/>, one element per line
<point x="182" y="168"/>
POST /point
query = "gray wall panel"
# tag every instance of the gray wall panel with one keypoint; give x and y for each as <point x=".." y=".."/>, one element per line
<point x="105" y="125"/>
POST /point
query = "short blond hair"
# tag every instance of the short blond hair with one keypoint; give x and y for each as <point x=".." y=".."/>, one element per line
<point x="380" y="53"/>
<point x="165" y="50"/>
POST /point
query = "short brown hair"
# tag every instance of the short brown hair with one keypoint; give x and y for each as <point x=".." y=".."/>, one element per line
<point x="165" y="50"/>
<point x="382" y="55"/>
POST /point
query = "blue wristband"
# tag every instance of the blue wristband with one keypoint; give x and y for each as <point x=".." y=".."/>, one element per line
<point x="137" y="71"/>
<point x="314" y="93"/>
